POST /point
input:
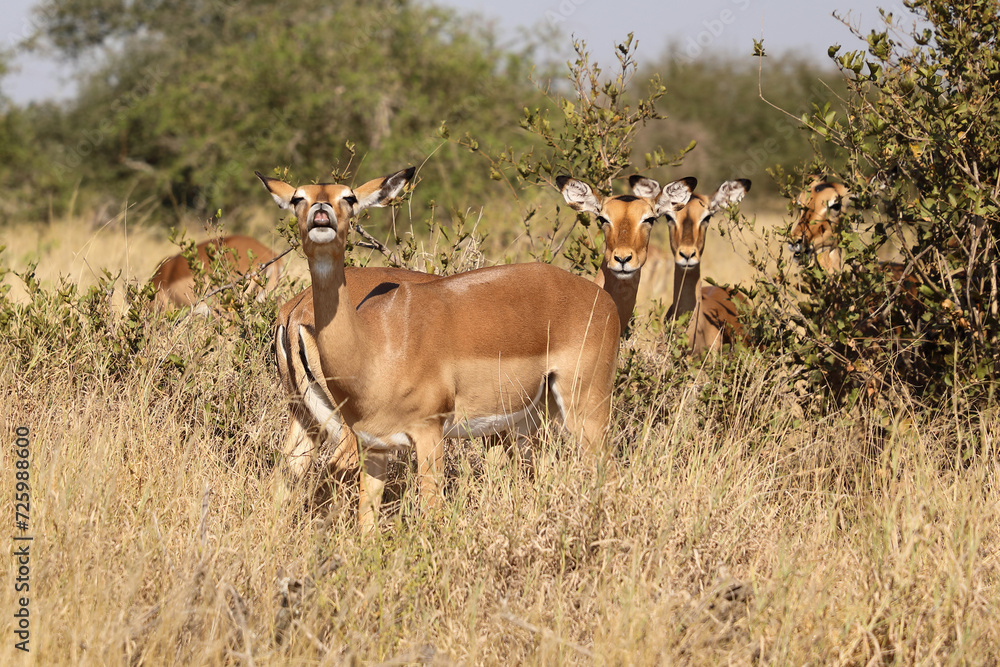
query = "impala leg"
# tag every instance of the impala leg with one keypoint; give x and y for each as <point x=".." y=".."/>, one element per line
<point x="717" y="340"/>
<point x="589" y="421"/>
<point x="345" y="456"/>
<point x="429" y="444"/>
<point x="523" y="451"/>
<point x="300" y="447"/>
<point x="298" y="453"/>
<point x="374" y="467"/>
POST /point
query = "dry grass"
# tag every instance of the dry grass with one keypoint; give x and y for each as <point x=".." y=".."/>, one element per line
<point x="737" y="533"/>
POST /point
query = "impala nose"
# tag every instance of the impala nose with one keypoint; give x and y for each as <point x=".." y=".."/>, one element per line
<point x="623" y="260"/>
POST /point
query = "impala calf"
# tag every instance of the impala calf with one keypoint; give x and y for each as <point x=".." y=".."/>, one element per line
<point x="174" y="282"/>
<point x="489" y="351"/>
<point x="626" y="221"/>
<point x="714" y="319"/>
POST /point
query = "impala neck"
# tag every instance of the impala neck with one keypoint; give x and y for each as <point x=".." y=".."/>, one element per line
<point x="687" y="289"/>
<point x="623" y="292"/>
<point x="342" y="345"/>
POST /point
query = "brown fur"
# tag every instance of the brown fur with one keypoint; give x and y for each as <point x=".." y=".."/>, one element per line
<point x="298" y="359"/>
<point x="626" y="221"/>
<point x="817" y="231"/>
<point x="627" y="240"/>
<point x="174" y="282"/>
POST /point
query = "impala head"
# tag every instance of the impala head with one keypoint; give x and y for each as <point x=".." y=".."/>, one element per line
<point x="324" y="211"/>
<point x="626" y="220"/>
<point x="688" y="226"/>
<point x="817" y="226"/>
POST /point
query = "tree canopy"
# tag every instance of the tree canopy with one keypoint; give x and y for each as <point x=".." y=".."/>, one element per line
<point x="193" y="96"/>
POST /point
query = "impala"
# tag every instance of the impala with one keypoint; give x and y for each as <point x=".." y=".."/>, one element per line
<point x="314" y="422"/>
<point x="493" y="350"/>
<point x="626" y="221"/>
<point x="817" y="231"/>
<point x="713" y="313"/>
<point x="174" y="282"/>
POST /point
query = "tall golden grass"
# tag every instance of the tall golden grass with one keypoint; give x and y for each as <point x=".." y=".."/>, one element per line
<point x="735" y="531"/>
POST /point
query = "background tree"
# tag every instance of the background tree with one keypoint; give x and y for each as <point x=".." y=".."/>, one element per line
<point x="715" y="101"/>
<point x="194" y="95"/>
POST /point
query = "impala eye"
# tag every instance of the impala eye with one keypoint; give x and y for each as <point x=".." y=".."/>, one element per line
<point x="603" y="221"/>
<point x="350" y="200"/>
<point x="649" y="221"/>
<point x="295" y="201"/>
<point x="835" y="205"/>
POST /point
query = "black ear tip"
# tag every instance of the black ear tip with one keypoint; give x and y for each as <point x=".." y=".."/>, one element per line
<point x="409" y="172"/>
<point x="633" y="179"/>
<point x="561" y="181"/>
<point x="261" y="176"/>
<point x="691" y="182"/>
<point x="745" y="182"/>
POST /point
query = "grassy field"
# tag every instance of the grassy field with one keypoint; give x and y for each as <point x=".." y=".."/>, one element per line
<point x="735" y="525"/>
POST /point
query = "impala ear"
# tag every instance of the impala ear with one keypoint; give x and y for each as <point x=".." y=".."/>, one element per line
<point x="281" y="191"/>
<point x="843" y="192"/>
<point x="579" y="195"/>
<point x="643" y="187"/>
<point x="675" y="195"/>
<point x="379" y="192"/>
<point x="729" y="193"/>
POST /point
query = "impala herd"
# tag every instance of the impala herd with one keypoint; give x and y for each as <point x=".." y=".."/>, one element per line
<point x="379" y="359"/>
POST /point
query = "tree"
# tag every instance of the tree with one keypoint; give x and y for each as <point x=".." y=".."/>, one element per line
<point x="195" y="95"/>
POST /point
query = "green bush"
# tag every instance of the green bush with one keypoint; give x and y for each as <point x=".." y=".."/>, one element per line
<point x="922" y="157"/>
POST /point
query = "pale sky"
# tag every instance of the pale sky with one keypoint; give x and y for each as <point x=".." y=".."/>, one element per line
<point x="698" y="28"/>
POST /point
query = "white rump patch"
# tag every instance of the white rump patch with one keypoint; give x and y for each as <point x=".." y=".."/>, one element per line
<point x="281" y="343"/>
<point x="315" y="401"/>
<point x="314" y="397"/>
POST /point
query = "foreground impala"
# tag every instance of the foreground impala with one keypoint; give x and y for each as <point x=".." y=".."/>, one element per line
<point x="626" y="221"/>
<point x="174" y="281"/>
<point x="314" y="424"/>
<point x="713" y="314"/>
<point x="489" y="351"/>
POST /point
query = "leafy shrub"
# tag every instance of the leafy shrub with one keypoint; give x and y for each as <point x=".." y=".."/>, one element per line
<point x="922" y="165"/>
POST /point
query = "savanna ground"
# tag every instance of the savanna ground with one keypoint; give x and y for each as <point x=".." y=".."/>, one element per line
<point x="732" y="526"/>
